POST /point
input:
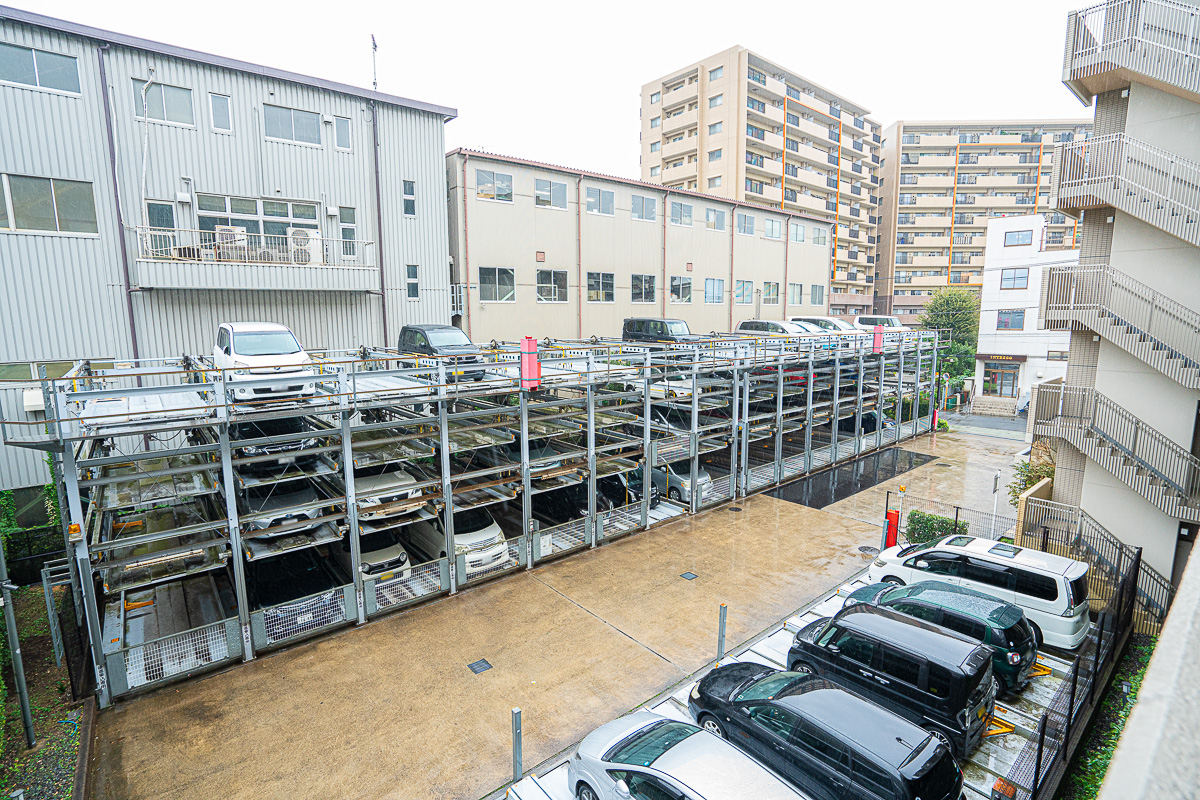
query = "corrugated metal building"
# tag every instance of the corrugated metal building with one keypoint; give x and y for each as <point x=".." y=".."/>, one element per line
<point x="149" y="192"/>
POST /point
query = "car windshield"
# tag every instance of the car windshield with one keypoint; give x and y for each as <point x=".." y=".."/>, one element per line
<point x="379" y="540"/>
<point x="447" y="337"/>
<point x="892" y="595"/>
<point x="677" y="327"/>
<point x="768" y="687"/>
<point x="644" y="747"/>
<point x="1079" y="590"/>
<point x="937" y="776"/>
<point x="265" y="343"/>
<point x="471" y="520"/>
<point x="916" y="548"/>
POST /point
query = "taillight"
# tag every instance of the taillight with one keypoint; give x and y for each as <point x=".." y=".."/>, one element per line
<point x="1014" y="658"/>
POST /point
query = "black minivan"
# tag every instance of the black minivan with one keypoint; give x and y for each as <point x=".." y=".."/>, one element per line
<point x="827" y="741"/>
<point x="932" y="677"/>
<point x="651" y="329"/>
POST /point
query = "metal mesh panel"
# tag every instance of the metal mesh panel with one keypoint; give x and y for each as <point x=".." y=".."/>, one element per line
<point x="719" y="490"/>
<point x="422" y="580"/>
<point x="177" y="654"/>
<point x="672" y="449"/>
<point x="619" y="520"/>
<point x="793" y="465"/>
<point x="762" y="475"/>
<point x="821" y="456"/>
<point x="563" y="538"/>
<point x="313" y="613"/>
<point x="845" y="449"/>
<point x="971" y="521"/>
<point x="485" y="561"/>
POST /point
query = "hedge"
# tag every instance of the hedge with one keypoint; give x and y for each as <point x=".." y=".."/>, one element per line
<point x="924" y="527"/>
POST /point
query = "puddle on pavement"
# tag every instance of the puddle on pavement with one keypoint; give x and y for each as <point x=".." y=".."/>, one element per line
<point x="826" y="488"/>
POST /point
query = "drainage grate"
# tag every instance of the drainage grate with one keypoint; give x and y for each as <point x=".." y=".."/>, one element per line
<point x="871" y="551"/>
<point x="479" y="666"/>
<point x="689" y="576"/>
<point x="734" y="508"/>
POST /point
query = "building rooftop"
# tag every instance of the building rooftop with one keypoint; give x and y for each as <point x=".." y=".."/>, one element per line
<point x="124" y="40"/>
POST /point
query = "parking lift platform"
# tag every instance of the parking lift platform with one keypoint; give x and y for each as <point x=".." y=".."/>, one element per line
<point x="1015" y="721"/>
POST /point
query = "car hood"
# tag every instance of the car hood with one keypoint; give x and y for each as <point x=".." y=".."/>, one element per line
<point x="489" y="535"/>
<point x="382" y="483"/>
<point x="280" y="500"/>
<point x="287" y="360"/>
<point x="458" y="350"/>
<point x="721" y="682"/>
<point x="383" y="555"/>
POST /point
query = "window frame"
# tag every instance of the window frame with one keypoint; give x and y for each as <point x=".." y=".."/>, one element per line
<point x="406" y="197"/>
<point x="637" y="208"/>
<point x="716" y="73"/>
<point x="351" y="226"/>
<point x="1013" y="276"/>
<point x="717" y="100"/>
<point x="715" y="155"/>
<point x="768" y="295"/>
<point x="796" y="232"/>
<point x="799" y="292"/>
<point x="10" y="208"/>
<point x="718" y="215"/>
<point x="212" y="115"/>
<point x="292" y="113"/>
<point x="552" y="284"/>
<point x="1020" y="238"/>
<point x="33" y="51"/>
<point x="655" y="97"/>
<point x="349" y="148"/>
<point x="495" y="198"/>
<point x="719" y="125"/>
<point x="644" y="280"/>
<point x="496" y="274"/>
<point x="412" y="282"/>
<point x="686" y="212"/>
<point x="719" y="285"/>
<point x="537" y="193"/>
<point x="820" y="236"/>
<point x="143" y="115"/>
<point x="612" y="290"/>
<point x="743" y="289"/>
<point x="1012" y="314"/>
<point x="681" y="281"/>
<point x="744" y="230"/>
<point x="600" y="193"/>
<point x="767" y="229"/>
<point x="817" y="295"/>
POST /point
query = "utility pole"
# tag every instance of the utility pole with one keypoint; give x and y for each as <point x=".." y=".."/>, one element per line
<point x="14" y="647"/>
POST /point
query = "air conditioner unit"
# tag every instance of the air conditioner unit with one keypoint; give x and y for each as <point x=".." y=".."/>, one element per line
<point x="304" y="246"/>
<point x="229" y="243"/>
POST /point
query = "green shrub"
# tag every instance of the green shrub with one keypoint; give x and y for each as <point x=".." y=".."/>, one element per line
<point x="924" y="527"/>
<point x="1026" y="474"/>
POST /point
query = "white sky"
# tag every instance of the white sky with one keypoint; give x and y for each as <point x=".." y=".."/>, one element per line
<point x="559" y="82"/>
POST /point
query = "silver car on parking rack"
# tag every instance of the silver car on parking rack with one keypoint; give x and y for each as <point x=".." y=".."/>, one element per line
<point x="643" y="755"/>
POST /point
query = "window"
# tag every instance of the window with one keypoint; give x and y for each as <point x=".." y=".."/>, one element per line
<point x="1014" y="278"/>
<point x="714" y="182"/>
<point x="48" y="204"/>
<point x="918" y="610"/>
<point x="654" y="171"/>
<point x="681" y="289"/>
<point x="773" y="228"/>
<point x="40" y="68"/>
<point x="714" y="155"/>
<point x="166" y="103"/>
<point x="349" y="231"/>
<point x="655" y="147"/>
<point x="820" y="236"/>
<point x="410" y="198"/>
<point x="600" y="287"/>
<point x="1011" y="320"/>
<point x="497" y="285"/>
<point x="714" y="219"/>
<point x="643" y="786"/>
<point x="681" y="214"/>
<point x="1051" y="355"/>
<point x="774" y="719"/>
<point x="972" y="629"/>
<point x="716" y="100"/>
<point x="715" y="128"/>
<point x="549" y="194"/>
<point x="642" y="289"/>
<point x="243" y="212"/>
<point x="412" y="282"/>
<point x="716" y="72"/>
<point x="856" y="648"/>
<point x="650" y="743"/>
<point x="599" y="201"/>
<point x="902" y="666"/>
<point x="552" y="286"/>
<point x="745" y="224"/>
<point x="819" y="745"/>
<point x="655" y="122"/>
<point x="655" y="97"/>
<point x="818" y="295"/>
<point x="644" y="208"/>
<point x="754" y="186"/>
<point x="219" y="113"/>
<point x="795" y="295"/>
<point x="796" y="232"/>
<point x="1031" y="584"/>
<point x="770" y="293"/>
<point x="341" y="133"/>
<point x="743" y="292"/>
<point x="1016" y="238"/>
<point x="986" y="573"/>
<point x="714" y="290"/>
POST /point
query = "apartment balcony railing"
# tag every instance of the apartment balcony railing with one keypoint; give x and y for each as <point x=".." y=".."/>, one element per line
<point x="1141" y="457"/>
<point x="1147" y="182"/>
<point x="1145" y="323"/>
<point x="235" y="259"/>
<point x="1158" y="39"/>
<point x="968" y="159"/>
<point x="910" y="138"/>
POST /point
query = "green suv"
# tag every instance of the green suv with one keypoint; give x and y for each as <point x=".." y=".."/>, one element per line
<point x="999" y="625"/>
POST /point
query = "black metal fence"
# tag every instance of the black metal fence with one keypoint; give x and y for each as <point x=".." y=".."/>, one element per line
<point x="28" y="549"/>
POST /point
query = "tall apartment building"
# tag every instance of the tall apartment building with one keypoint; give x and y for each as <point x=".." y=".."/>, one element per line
<point x="149" y="192"/>
<point x="540" y="250"/>
<point x="942" y="182"/>
<point x="742" y="127"/>
<point x="1125" y="420"/>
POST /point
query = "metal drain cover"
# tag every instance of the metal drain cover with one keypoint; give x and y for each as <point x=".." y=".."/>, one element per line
<point x="734" y="508"/>
<point x="689" y="576"/>
<point x="479" y="666"/>
<point x="871" y="551"/>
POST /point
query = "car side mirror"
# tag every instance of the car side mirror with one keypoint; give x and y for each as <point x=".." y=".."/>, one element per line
<point x="621" y="790"/>
<point x="833" y="648"/>
<point x="922" y="565"/>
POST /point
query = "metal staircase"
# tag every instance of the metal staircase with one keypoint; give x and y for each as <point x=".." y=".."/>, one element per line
<point x="1147" y="324"/>
<point x="1145" y="460"/>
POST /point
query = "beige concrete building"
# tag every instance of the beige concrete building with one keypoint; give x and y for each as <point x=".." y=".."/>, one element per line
<point x="941" y="183"/>
<point x="540" y="250"/>
<point x="742" y="127"/>
<point x="1125" y="421"/>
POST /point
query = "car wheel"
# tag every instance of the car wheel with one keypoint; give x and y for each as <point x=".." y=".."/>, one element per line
<point x="674" y="494"/>
<point x="941" y="737"/>
<point x="585" y="792"/>
<point x="1037" y="634"/>
<point x="892" y="579"/>
<point x="712" y="725"/>
<point x="803" y="669"/>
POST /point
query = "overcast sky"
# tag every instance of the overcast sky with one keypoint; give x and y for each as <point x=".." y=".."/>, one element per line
<point x="559" y="82"/>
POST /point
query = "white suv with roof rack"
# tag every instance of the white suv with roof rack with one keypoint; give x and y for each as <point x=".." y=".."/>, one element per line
<point x="1052" y="590"/>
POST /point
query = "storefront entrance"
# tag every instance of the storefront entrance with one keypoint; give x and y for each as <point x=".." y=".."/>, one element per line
<point x="1000" y="379"/>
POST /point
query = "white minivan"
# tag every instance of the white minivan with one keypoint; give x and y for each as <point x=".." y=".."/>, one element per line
<point x="888" y="324"/>
<point x="1051" y="590"/>
<point x="476" y="536"/>
<point x="252" y="351"/>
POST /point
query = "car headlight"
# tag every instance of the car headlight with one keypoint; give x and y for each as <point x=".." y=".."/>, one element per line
<point x="696" y="691"/>
<point x="850" y="601"/>
<point x="879" y="562"/>
<point x="364" y="568"/>
<point x="403" y="557"/>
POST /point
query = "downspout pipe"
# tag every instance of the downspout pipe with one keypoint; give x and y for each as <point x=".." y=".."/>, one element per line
<point x="665" y="288"/>
<point x="732" y="239"/>
<point x="379" y="219"/>
<point x="112" y="164"/>
<point x="466" y="265"/>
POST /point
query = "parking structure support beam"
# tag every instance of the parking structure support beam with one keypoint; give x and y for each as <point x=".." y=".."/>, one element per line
<point x="916" y="407"/>
<point x="808" y="414"/>
<point x="447" y="491"/>
<point x="526" y="482"/>
<point x="747" y="379"/>
<point x="735" y="435"/>
<point x="779" y="424"/>
<point x="858" y="406"/>
<point x="591" y="449"/>
<point x="836" y="410"/>
<point x="237" y="554"/>
<point x="879" y="400"/>
<point x="647" y="461"/>
<point x="693" y="501"/>
<point x="352" y="525"/>
<point x="900" y="392"/>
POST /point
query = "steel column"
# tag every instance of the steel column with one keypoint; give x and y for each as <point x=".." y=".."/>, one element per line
<point x="647" y="460"/>
<point x="693" y="501"/>
<point x="591" y="451"/>
<point x="858" y="406"/>
<point x="447" y="490"/>
<point x="526" y="482"/>
<point x="351" y="497"/>
<point x="808" y="419"/>
<point x="779" y="425"/>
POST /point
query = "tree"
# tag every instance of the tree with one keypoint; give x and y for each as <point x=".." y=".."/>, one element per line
<point x="956" y="309"/>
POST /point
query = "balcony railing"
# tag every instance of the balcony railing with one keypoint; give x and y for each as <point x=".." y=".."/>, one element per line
<point x="300" y="248"/>
<point x="1159" y="39"/>
<point x="1148" y="324"/>
<point x="1147" y="182"/>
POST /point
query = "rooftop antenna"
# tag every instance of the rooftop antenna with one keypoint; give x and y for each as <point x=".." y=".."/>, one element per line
<point x="374" y="71"/>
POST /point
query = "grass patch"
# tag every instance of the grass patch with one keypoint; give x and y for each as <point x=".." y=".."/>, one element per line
<point x="1086" y="773"/>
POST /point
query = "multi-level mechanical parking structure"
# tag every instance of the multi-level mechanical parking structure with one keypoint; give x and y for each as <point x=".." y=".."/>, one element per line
<point x="202" y="530"/>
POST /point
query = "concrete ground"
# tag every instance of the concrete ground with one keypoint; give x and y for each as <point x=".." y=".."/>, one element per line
<point x="390" y="710"/>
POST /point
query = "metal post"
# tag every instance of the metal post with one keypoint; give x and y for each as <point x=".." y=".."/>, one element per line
<point x="516" y="733"/>
<point x="779" y="424"/>
<point x="735" y="403"/>
<point x="900" y="393"/>
<point x="237" y="555"/>
<point x="836" y="410"/>
<point x="1071" y="697"/>
<point x="84" y="570"/>
<point x="934" y="385"/>
<point x="694" y="443"/>
<point x="1037" y="764"/>
<point x="745" y="445"/>
<point x="1045" y="538"/>
<point x="447" y="490"/>
<point x="808" y="419"/>
<point x="887" y="504"/>
<point x="351" y="496"/>
<point x="858" y="405"/>
<point x="14" y="650"/>
<point x="1096" y="661"/>
<point x="916" y="414"/>
<point x="591" y="454"/>
<point x="721" y="633"/>
<point x="526" y="488"/>
<point x="957" y="509"/>
<point x="879" y="427"/>
<point x="647" y="456"/>
<point x="995" y="501"/>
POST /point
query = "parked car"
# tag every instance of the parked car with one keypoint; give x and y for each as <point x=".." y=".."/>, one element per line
<point x="675" y="480"/>
<point x="651" y="329"/>
<point x="510" y="454"/>
<point x="765" y="327"/>
<point x="935" y="679"/>
<point x="870" y="423"/>
<point x="476" y="535"/>
<point x="625" y="488"/>
<point x="463" y="358"/>
<point x="831" y="324"/>
<point x="889" y="324"/>
<point x="377" y="491"/>
<point x="1052" y="590"/>
<point x="381" y="552"/>
<point x="672" y="386"/>
<point x="643" y="755"/>
<point x="289" y="577"/>
<point x="276" y="438"/>
<point x="566" y="504"/>
<point x="1000" y="626"/>
<point x="278" y="504"/>
<point x="249" y="351"/>
<point x="824" y="740"/>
